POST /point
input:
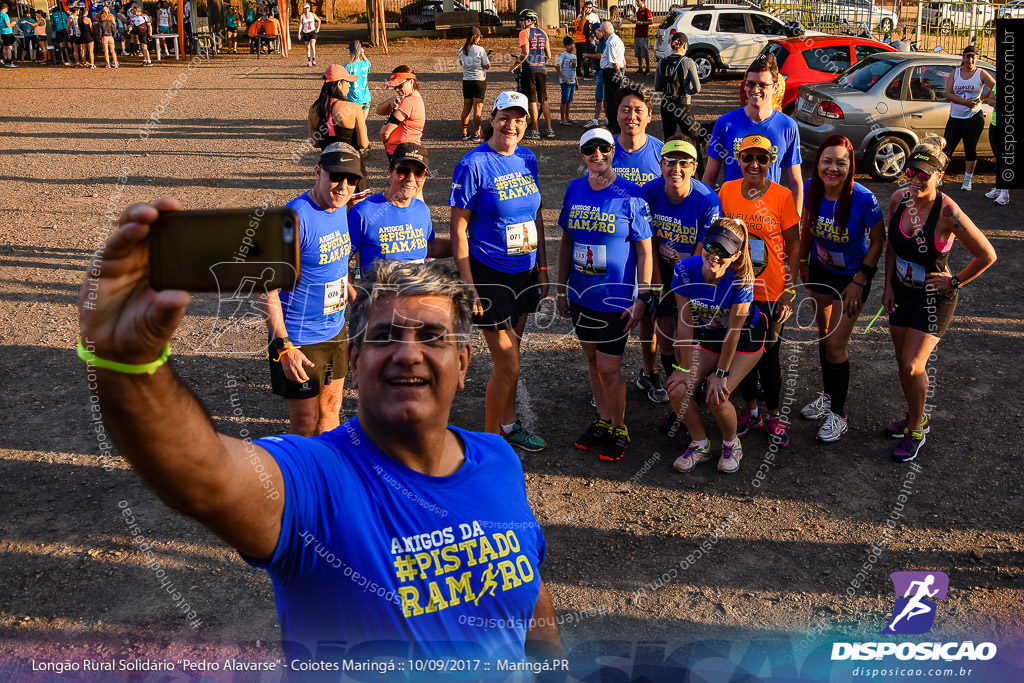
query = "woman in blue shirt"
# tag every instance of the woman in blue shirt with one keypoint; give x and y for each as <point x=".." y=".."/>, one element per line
<point x="842" y="238"/>
<point x="604" y="259"/>
<point x="497" y="237"/>
<point x="719" y="337"/>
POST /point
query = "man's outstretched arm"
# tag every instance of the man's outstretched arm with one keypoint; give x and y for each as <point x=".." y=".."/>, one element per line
<point x="155" y="420"/>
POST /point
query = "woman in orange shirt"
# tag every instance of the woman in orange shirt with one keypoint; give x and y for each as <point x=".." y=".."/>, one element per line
<point x="771" y="216"/>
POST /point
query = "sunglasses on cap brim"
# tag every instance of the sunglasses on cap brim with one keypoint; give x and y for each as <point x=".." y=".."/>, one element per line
<point x="716" y="249"/>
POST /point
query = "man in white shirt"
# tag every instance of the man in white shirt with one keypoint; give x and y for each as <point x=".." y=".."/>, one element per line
<point x="613" y="66"/>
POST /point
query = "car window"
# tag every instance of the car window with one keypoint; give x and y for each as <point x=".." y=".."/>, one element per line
<point x="766" y="26"/>
<point x="701" y="22"/>
<point x="780" y="53"/>
<point x="862" y="75"/>
<point x="894" y="91"/>
<point x="928" y="82"/>
<point x="831" y="59"/>
<point x="732" y="22"/>
<point x="670" y="19"/>
<point x="862" y="51"/>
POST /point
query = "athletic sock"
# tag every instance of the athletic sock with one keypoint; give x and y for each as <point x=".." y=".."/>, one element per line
<point x="507" y="429"/>
<point x="703" y="443"/>
<point x="753" y="412"/>
<point x="837" y="385"/>
<point x="667" y="362"/>
<point x="967" y="177"/>
<point x="730" y="443"/>
<point x="823" y="359"/>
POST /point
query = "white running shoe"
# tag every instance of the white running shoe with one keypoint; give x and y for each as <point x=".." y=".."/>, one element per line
<point x="966" y="186"/>
<point x="818" y="408"/>
<point x="592" y="123"/>
<point x="992" y="194"/>
<point x="833" y="429"/>
<point x="1004" y="198"/>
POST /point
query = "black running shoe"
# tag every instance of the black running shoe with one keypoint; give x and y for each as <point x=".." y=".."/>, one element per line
<point x="596" y="433"/>
<point x="615" y="447"/>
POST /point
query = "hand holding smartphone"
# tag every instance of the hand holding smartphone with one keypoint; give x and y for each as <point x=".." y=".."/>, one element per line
<point x="225" y="250"/>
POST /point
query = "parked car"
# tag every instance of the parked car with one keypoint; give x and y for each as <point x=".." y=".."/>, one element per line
<point x="721" y="37"/>
<point x="884" y="104"/>
<point x="816" y="59"/>
<point x="949" y="17"/>
<point x="420" y="14"/>
<point x="1012" y="10"/>
<point x="855" y="15"/>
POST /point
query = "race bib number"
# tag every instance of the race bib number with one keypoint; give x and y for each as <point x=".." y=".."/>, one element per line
<point x="334" y="297"/>
<point x="836" y="260"/>
<point x="520" y="238"/>
<point x="668" y="254"/>
<point x="758" y="255"/>
<point x="589" y="259"/>
<point x="910" y="274"/>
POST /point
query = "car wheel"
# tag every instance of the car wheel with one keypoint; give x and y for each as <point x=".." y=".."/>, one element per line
<point x="705" y="63"/>
<point x="946" y="27"/>
<point x="887" y="157"/>
<point x="885" y="25"/>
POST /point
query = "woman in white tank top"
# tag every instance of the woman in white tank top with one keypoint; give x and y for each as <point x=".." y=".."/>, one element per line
<point x="309" y="26"/>
<point x="966" y="88"/>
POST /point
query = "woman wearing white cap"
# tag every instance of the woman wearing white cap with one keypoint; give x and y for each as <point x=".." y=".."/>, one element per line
<point x="309" y="26"/>
<point x="498" y="243"/>
<point x="604" y="278"/>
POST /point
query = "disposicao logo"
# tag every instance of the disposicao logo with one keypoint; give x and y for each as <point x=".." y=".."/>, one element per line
<point x="915" y="612"/>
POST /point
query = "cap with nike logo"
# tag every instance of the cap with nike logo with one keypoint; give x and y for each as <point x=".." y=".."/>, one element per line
<point x="341" y="157"/>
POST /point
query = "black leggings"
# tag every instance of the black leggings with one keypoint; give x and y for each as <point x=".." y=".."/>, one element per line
<point x="675" y="115"/>
<point x="995" y="137"/>
<point x="767" y="374"/>
<point x="968" y="130"/>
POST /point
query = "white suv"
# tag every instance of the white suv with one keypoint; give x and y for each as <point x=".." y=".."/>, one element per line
<point x="973" y="16"/>
<point x="721" y="37"/>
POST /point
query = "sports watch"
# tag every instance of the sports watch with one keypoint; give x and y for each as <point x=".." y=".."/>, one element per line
<point x="954" y="282"/>
<point x="719" y="372"/>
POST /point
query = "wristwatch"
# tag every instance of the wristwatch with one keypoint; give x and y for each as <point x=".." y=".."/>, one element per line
<point x="647" y="297"/>
<point x="278" y="345"/>
<point x="954" y="282"/>
<point x="719" y="372"/>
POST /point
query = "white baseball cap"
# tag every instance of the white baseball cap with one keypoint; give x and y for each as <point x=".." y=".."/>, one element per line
<point x="599" y="134"/>
<point x="509" y="99"/>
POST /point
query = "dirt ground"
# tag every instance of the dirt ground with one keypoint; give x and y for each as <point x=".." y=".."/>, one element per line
<point x="723" y="571"/>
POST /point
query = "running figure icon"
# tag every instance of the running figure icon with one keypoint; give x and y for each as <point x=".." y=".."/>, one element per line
<point x="918" y="591"/>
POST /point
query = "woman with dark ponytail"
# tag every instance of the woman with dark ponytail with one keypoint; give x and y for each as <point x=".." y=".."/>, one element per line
<point x="719" y="337"/>
<point x="475" y="63"/>
<point x="841" y="240"/>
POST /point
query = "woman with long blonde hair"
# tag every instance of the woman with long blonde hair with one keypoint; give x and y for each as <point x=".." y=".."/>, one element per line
<point x="719" y="337"/>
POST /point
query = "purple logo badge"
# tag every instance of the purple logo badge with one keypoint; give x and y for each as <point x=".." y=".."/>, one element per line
<point x="914" y="611"/>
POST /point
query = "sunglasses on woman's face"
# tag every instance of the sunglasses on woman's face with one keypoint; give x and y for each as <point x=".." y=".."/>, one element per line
<point x="588" y="150"/>
<point x="673" y="161"/>
<point x="409" y="170"/>
<point x="762" y="159"/>
<point x="717" y="250"/>
<point x="918" y="173"/>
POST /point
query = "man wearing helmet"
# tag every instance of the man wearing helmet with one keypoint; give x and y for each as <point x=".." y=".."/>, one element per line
<point x="535" y="51"/>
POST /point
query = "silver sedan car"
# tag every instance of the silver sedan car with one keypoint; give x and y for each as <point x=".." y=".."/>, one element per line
<point x="884" y="104"/>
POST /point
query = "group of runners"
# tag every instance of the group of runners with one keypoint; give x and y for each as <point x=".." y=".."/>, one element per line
<point x="708" y="279"/>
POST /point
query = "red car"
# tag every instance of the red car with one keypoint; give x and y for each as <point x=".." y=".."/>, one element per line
<point x="815" y="59"/>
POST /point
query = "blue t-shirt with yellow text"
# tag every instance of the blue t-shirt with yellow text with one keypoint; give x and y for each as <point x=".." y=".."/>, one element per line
<point x="841" y="249"/>
<point x="374" y="557"/>
<point x="639" y="167"/>
<point x="501" y="192"/>
<point x="603" y="225"/>
<point x="679" y="228"/>
<point x="710" y="305"/>
<point x="315" y="310"/>
<point x="381" y="230"/>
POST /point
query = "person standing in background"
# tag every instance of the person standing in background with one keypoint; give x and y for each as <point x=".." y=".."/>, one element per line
<point x="641" y="38"/>
<point x="309" y="26"/>
<point x="359" y="66"/>
<point x="613" y="65"/>
<point x="475" y="63"/>
<point x="568" y="66"/>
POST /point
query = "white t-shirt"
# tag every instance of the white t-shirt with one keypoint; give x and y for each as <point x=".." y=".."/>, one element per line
<point x="566" y="65"/>
<point x="473" y="64"/>
<point x="614" y="53"/>
<point x="165" y="18"/>
<point x="308" y="22"/>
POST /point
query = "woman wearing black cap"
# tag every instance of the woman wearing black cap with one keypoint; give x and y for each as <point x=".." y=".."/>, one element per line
<point x="920" y="291"/>
<point x="966" y="88"/>
<point x="719" y="337"/>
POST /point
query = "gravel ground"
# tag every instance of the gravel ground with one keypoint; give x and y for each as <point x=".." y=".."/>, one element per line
<point x="637" y="553"/>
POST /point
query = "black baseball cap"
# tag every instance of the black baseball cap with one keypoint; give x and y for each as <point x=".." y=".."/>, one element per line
<point x="411" y="151"/>
<point x="725" y="238"/>
<point x="341" y="157"/>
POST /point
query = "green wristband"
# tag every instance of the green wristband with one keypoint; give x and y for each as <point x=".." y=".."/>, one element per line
<point x="561" y="294"/>
<point x="124" y="368"/>
<point x="680" y="369"/>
